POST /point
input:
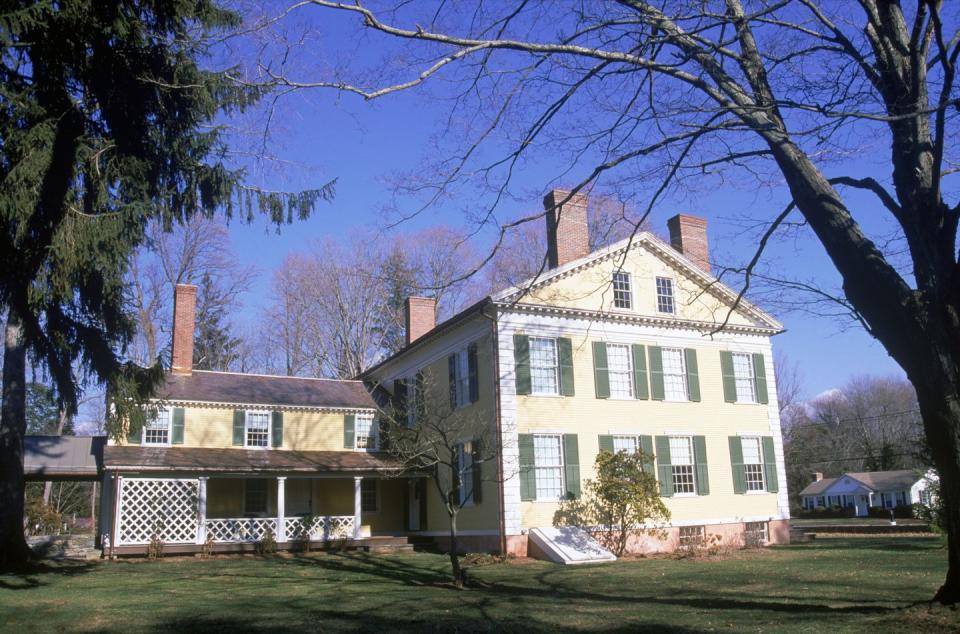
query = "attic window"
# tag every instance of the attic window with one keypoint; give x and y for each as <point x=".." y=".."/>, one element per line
<point x="665" y="295"/>
<point x="622" y="296"/>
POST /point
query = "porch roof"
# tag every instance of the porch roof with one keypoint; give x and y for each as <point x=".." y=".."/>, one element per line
<point x="62" y="457"/>
<point x="130" y="458"/>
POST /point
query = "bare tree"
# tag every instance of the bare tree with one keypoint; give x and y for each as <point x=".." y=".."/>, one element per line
<point x="789" y="381"/>
<point x="659" y="97"/>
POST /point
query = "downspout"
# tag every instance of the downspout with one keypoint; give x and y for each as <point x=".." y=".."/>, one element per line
<point x="501" y="522"/>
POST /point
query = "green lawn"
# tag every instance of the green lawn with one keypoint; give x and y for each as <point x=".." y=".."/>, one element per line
<point x="838" y="585"/>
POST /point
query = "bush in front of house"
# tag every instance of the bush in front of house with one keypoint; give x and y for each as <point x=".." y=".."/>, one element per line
<point x="901" y="511"/>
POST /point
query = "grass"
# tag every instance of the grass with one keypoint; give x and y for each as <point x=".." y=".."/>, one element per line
<point x="877" y="585"/>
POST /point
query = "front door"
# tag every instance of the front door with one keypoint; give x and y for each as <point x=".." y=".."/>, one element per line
<point x="413" y="508"/>
<point x="862" y="504"/>
<point x="299" y="497"/>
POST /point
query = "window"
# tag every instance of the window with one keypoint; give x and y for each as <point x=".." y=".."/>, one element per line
<point x="258" y="429"/>
<point x="681" y="455"/>
<point x="413" y="401"/>
<point x="157" y="428"/>
<point x="622" y="297"/>
<point x="743" y="377"/>
<point x="620" y="370"/>
<point x="674" y="375"/>
<point x="366" y="432"/>
<point x="543" y="366"/>
<point x="756" y="533"/>
<point x="461" y="379"/>
<point x="664" y="295"/>
<point x="369" y="496"/>
<point x="692" y="536"/>
<point x="255" y="497"/>
<point x="465" y="467"/>
<point x="548" y="460"/>
<point x="626" y="444"/>
<point x="752" y="463"/>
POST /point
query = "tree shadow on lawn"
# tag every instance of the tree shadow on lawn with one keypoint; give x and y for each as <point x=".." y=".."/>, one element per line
<point x="371" y="565"/>
<point x="33" y="575"/>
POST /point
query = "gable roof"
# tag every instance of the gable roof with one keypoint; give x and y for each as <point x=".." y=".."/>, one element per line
<point x="873" y="480"/>
<point x="660" y="249"/>
<point x="228" y="388"/>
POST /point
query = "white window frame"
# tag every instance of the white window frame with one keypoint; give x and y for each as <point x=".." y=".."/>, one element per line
<point x="749" y="394"/>
<point x="692" y="465"/>
<point x="246" y="429"/>
<point x="461" y="378"/>
<point x="671" y="297"/>
<point x="633" y="437"/>
<point x="757" y="528"/>
<point x="682" y="374"/>
<point x="161" y="411"/>
<point x="556" y="368"/>
<point x="376" y="495"/>
<point x="627" y="293"/>
<point x="561" y="467"/>
<point x="266" y="497"/>
<point x="694" y="535"/>
<point x="628" y="372"/>
<point x="465" y="467"/>
<point x="374" y="432"/>
<point x="412" y="398"/>
<point x="759" y="466"/>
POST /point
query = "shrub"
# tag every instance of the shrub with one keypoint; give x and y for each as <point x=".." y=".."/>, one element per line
<point x="155" y="547"/>
<point x="267" y="545"/>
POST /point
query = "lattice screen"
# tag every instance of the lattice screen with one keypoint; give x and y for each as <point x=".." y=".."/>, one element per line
<point x="241" y="529"/>
<point x="322" y="527"/>
<point x="165" y="508"/>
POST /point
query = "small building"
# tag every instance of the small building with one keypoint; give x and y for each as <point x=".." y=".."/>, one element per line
<point x="861" y="490"/>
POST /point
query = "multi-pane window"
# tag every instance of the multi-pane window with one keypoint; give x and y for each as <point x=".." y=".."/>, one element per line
<point x="465" y="468"/>
<point x="543" y="366"/>
<point x="366" y="432"/>
<point x="157" y="429"/>
<point x="752" y="463"/>
<point x="674" y="374"/>
<point x="622" y="295"/>
<point x="756" y="533"/>
<point x="413" y="401"/>
<point x="369" y="498"/>
<point x="626" y="444"/>
<point x="743" y="377"/>
<point x="665" y="295"/>
<point x="681" y="455"/>
<point x="461" y="378"/>
<point x="255" y="496"/>
<point x="620" y="371"/>
<point x="548" y="461"/>
<point x="258" y="429"/>
<point x="692" y="535"/>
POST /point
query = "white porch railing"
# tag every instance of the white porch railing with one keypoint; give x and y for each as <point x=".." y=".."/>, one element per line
<point x="321" y="527"/>
<point x="240" y="530"/>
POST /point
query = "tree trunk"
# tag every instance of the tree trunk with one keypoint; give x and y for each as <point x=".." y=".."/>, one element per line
<point x="14" y="552"/>
<point x="458" y="579"/>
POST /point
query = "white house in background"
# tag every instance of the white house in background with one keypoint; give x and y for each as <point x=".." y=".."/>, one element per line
<point x="861" y="490"/>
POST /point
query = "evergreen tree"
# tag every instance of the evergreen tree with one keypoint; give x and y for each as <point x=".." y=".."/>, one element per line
<point x="43" y="412"/>
<point x="400" y="279"/>
<point x="214" y="346"/>
<point x="107" y="121"/>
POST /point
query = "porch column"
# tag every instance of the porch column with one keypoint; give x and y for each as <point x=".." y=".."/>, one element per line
<point x="357" y="507"/>
<point x="281" y="510"/>
<point x="117" y="504"/>
<point x="202" y="510"/>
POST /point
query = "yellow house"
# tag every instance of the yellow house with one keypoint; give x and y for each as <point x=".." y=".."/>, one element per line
<point x="634" y="346"/>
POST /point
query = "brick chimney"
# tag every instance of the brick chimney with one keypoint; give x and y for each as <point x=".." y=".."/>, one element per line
<point x="568" y="237"/>
<point x="421" y="317"/>
<point x="184" y="323"/>
<point x="817" y="476"/>
<point x="688" y="235"/>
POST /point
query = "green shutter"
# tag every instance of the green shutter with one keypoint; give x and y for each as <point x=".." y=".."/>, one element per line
<point x="528" y="475"/>
<point x="176" y="436"/>
<point x="135" y="436"/>
<point x="521" y="361"/>
<point x="476" y="462"/>
<point x="646" y="446"/>
<point x="693" y="374"/>
<point x="400" y="401"/>
<point x="656" y="373"/>
<point x="601" y="378"/>
<point x="664" y="472"/>
<point x="473" y="374"/>
<point x="452" y="380"/>
<point x="770" y="464"/>
<point x="276" y="429"/>
<point x="606" y="443"/>
<point x="729" y="378"/>
<point x="760" y="378"/>
<point x="419" y="384"/>
<point x="736" y="463"/>
<point x="565" y="354"/>
<point x="349" y="423"/>
<point x="239" y="424"/>
<point x="571" y="465"/>
<point x="641" y="390"/>
<point x="700" y="458"/>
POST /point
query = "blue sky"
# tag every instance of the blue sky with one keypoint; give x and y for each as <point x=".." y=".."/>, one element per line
<point x="364" y="144"/>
